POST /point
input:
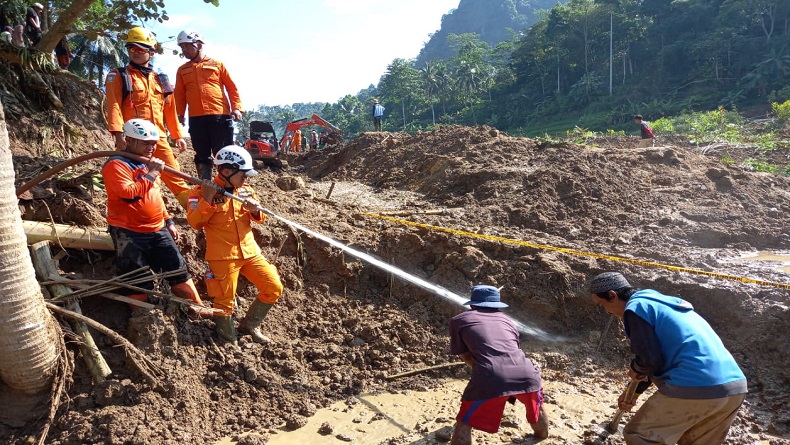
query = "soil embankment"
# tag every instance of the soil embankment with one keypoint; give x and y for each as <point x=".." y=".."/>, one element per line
<point x="343" y="326"/>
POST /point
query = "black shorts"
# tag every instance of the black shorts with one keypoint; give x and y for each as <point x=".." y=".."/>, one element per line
<point x="156" y="250"/>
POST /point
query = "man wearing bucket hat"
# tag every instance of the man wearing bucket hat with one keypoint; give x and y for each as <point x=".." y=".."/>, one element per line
<point x="700" y="386"/>
<point x="488" y="341"/>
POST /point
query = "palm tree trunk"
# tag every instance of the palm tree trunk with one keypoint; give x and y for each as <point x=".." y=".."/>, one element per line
<point x="28" y="333"/>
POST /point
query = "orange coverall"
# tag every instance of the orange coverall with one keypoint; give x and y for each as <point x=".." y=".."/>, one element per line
<point x="147" y="101"/>
<point x="200" y="86"/>
<point x="231" y="248"/>
<point x="132" y="203"/>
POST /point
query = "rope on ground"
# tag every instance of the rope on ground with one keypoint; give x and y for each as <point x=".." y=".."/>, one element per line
<point x="581" y="252"/>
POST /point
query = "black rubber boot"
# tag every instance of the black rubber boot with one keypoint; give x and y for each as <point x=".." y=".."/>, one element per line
<point x="225" y="328"/>
<point x="205" y="170"/>
<point x="252" y="321"/>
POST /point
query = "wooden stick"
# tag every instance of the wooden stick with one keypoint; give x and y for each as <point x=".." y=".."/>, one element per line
<point x="175" y="299"/>
<point x="629" y="397"/>
<point x="108" y="295"/>
<point x="430" y="368"/>
<point x="45" y="267"/>
<point x="138" y="359"/>
<point x="331" y="187"/>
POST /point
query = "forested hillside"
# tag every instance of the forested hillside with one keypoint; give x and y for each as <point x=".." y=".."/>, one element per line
<point x="667" y="58"/>
<point x="493" y="21"/>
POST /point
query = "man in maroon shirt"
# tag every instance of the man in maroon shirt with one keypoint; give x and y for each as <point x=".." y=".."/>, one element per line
<point x="488" y="341"/>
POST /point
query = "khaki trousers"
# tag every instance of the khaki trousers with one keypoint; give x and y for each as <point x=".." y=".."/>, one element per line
<point x="644" y="143"/>
<point x="667" y="420"/>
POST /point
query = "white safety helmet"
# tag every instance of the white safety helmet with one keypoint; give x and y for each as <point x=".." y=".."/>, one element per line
<point x="189" y="36"/>
<point x="141" y="129"/>
<point x="237" y="158"/>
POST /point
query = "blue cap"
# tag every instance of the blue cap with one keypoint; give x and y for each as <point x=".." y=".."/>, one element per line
<point x="485" y="296"/>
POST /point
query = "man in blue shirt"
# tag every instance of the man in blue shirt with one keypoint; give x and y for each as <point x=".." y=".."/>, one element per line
<point x="700" y="386"/>
<point x="378" y="113"/>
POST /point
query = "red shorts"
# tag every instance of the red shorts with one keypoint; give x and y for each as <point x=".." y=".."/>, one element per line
<point x="486" y="415"/>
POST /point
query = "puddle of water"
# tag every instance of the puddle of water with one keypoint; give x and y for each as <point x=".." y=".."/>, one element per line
<point x="416" y="416"/>
<point x="770" y="256"/>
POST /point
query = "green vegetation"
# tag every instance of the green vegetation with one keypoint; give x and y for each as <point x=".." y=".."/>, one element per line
<point x="668" y="58"/>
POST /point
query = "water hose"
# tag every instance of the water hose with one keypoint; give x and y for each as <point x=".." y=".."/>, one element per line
<point x="438" y="290"/>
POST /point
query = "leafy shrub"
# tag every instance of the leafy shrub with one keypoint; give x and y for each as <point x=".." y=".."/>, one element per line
<point x="782" y="111"/>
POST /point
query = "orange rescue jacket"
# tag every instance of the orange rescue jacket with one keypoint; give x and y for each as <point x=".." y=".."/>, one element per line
<point x="226" y="223"/>
<point x="201" y="86"/>
<point x="134" y="199"/>
<point x="146" y="101"/>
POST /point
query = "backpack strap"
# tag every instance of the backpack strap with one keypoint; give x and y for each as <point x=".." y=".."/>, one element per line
<point x="126" y="82"/>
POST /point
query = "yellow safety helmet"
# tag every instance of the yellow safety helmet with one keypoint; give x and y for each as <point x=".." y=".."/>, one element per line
<point x="142" y="37"/>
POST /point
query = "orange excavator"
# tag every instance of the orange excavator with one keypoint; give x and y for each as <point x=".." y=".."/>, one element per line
<point x="333" y="135"/>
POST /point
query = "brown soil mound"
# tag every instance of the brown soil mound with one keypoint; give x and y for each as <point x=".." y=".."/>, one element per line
<point x="342" y="326"/>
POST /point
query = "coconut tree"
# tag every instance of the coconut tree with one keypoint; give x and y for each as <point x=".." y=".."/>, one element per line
<point x="95" y="55"/>
<point x="28" y="335"/>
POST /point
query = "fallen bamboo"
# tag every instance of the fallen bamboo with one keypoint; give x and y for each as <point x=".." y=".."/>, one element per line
<point x="45" y="268"/>
<point x="138" y="359"/>
<point x="107" y="295"/>
<point x="116" y="285"/>
<point x="67" y="236"/>
<point x="430" y="368"/>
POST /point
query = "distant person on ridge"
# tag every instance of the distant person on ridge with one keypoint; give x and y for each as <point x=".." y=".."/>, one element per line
<point x="33" y="23"/>
<point x="378" y="114"/>
<point x="136" y="91"/>
<point x="204" y="86"/>
<point x="700" y="386"/>
<point x="648" y="137"/>
<point x="488" y="342"/>
<point x="5" y="36"/>
<point x="313" y="140"/>
<point x="63" y="53"/>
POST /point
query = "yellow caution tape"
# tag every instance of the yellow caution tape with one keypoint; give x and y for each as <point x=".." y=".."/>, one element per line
<point x="580" y="252"/>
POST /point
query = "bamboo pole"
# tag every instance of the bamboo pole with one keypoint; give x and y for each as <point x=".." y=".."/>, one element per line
<point x="45" y="267"/>
<point x="67" y="236"/>
<point x="138" y="359"/>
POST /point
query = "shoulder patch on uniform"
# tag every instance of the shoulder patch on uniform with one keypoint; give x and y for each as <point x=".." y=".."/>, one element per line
<point x="110" y="77"/>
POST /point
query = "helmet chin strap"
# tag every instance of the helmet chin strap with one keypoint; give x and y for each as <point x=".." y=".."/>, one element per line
<point x="227" y="178"/>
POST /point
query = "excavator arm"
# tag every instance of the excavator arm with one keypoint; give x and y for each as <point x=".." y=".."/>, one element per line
<point x="335" y="134"/>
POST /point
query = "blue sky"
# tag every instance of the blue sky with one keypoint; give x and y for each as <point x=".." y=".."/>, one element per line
<point x="284" y="52"/>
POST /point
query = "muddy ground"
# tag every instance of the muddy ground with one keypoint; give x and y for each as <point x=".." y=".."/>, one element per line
<point x="342" y="326"/>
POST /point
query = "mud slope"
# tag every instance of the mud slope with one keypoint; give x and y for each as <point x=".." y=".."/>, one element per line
<point x="342" y="326"/>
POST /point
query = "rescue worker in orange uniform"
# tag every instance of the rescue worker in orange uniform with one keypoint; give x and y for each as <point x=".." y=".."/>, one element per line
<point x="147" y="98"/>
<point x="140" y="227"/>
<point x="204" y="86"/>
<point x="230" y="245"/>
